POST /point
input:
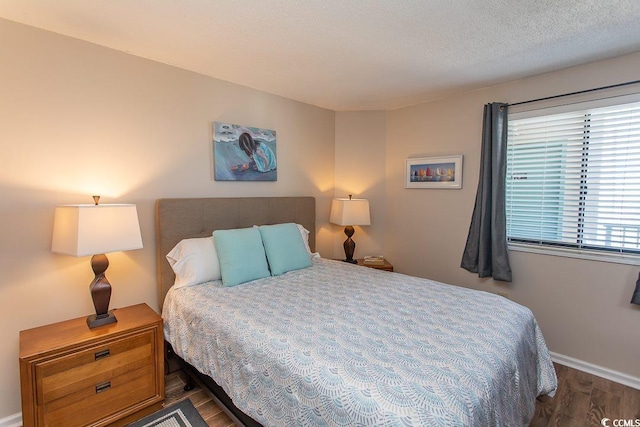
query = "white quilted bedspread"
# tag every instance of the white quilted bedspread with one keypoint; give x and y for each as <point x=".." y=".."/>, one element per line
<point x="341" y="345"/>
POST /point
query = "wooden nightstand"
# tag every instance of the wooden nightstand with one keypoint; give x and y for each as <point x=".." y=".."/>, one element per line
<point x="387" y="266"/>
<point x="71" y="375"/>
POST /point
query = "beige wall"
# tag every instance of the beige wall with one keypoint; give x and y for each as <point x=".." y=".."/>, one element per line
<point x="78" y="119"/>
<point x="360" y="165"/>
<point x="582" y="306"/>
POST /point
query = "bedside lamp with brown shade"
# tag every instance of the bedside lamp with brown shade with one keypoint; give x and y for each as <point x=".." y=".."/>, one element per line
<point x="82" y="230"/>
<point x="350" y="212"/>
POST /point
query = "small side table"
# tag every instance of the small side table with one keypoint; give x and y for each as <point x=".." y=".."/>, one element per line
<point x="387" y="266"/>
<point x="71" y="375"/>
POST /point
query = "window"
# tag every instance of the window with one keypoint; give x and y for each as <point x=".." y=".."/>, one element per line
<point x="573" y="178"/>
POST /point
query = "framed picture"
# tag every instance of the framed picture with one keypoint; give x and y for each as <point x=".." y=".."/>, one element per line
<point x="244" y="153"/>
<point x="433" y="172"/>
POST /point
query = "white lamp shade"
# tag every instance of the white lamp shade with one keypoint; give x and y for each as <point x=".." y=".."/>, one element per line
<point x="82" y="230"/>
<point x="350" y="212"/>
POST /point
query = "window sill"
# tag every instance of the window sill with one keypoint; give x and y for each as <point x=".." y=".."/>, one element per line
<point x="630" y="259"/>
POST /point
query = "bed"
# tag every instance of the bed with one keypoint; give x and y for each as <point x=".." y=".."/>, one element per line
<point x="338" y="344"/>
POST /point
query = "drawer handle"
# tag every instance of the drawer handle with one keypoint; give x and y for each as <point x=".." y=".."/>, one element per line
<point x="103" y="387"/>
<point x="102" y="354"/>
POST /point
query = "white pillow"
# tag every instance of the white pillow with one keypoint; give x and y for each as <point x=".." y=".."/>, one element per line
<point x="305" y="238"/>
<point x="194" y="261"/>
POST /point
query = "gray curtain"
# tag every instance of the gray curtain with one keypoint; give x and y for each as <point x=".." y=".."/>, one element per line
<point x="635" y="298"/>
<point x="486" y="250"/>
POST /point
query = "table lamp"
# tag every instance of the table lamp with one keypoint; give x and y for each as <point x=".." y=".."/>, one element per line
<point x="349" y="212"/>
<point x="82" y="230"/>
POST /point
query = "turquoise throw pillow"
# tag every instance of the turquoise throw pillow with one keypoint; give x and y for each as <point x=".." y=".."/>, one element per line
<point x="241" y="255"/>
<point x="284" y="247"/>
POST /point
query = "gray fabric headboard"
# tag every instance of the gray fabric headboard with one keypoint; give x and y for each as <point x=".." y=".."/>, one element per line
<point x="178" y="219"/>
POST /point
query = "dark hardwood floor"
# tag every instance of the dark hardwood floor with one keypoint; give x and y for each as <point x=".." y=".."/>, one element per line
<point x="581" y="400"/>
<point x="584" y="400"/>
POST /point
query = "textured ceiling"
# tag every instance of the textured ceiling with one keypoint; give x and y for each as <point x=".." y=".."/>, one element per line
<point x="350" y="54"/>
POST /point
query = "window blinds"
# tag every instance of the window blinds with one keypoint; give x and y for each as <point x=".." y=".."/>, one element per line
<point x="573" y="179"/>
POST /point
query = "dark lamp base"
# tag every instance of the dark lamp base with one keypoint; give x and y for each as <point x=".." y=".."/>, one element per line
<point x="93" y="321"/>
<point x="349" y="246"/>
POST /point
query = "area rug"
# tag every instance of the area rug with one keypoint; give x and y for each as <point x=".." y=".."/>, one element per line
<point x="180" y="414"/>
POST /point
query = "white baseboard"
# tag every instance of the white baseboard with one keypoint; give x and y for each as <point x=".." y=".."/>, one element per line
<point x="14" y="420"/>
<point x="596" y="370"/>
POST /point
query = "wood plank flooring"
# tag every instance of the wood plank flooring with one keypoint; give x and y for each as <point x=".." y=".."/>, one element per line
<point x="200" y="397"/>
<point x="584" y="400"/>
<point x="581" y="400"/>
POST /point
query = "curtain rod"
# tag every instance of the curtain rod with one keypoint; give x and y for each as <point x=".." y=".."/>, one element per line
<point x="577" y="93"/>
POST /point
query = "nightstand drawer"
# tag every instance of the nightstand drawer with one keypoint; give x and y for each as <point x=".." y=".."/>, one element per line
<point x="94" y="403"/>
<point x="93" y="366"/>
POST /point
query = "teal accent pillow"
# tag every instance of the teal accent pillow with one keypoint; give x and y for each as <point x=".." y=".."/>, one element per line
<point x="241" y="255"/>
<point x="284" y="247"/>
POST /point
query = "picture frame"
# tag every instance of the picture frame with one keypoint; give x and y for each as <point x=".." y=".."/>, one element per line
<point x="244" y="153"/>
<point x="434" y="172"/>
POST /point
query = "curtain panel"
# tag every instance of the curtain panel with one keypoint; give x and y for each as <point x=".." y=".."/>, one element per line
<point x="485" y="252"/>
<point x="635" y="298"/>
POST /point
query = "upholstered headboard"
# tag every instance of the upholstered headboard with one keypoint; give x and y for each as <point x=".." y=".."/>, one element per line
<point x="178" y="219"/>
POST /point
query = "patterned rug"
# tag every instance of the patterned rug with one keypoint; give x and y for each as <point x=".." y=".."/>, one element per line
<point x="180" y="414"/>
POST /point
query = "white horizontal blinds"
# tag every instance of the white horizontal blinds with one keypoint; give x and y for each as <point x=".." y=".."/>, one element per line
<point x="544" y="163"/>
<point x="612" y="212"/>
<point x="573" y="178"/>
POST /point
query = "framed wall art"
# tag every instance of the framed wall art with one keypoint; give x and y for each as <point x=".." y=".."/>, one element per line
<point x="434" y="172"/>
<point x="244" y="153"/>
